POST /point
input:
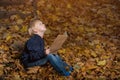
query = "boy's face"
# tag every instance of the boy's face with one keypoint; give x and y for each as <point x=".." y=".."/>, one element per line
<point x="40" y="27"/>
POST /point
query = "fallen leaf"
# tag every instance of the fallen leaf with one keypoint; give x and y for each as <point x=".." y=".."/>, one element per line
<point x="24" y="29"/>
<point x="48" y="31"/>
<point x="16" y="76"/>
<point x="13" y="17"/>
<point x="16" y="28"/>
<point x="93" y="54"/>
<point x="33" y="69"/>
<point x="69" y="6"/>
<point x="101" y="63"/>
<point x="4" y="47"/>
<point x="1" y="69"/>
<point x="8" y="37"/>
<point x="92" y="67"/>
<point x="19" y="21"/>
<point x="62" y="51"/>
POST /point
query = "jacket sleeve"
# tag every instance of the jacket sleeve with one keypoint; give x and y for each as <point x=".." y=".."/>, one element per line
<point x="36" y="49"/>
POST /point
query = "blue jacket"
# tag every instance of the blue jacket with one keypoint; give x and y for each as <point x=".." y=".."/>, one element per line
<point x="33" y="50"/>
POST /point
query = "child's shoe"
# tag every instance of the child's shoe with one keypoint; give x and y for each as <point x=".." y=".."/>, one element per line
<point x="66" y="74"/>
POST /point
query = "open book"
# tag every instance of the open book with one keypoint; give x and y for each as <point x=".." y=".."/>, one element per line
<point x="58" y="42"/>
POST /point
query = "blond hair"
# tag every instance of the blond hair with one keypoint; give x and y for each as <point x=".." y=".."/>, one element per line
<point x="31" y="26"/>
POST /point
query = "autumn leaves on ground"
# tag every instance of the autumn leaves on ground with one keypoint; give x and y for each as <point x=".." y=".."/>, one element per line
<point x="92" y="48"/>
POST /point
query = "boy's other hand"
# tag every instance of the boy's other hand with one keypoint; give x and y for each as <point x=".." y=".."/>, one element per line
<point x="47" y="51"/>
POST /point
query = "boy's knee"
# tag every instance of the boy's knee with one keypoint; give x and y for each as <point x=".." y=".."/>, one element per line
<point x="56" y="55"/>
<point x="50" y="55"/>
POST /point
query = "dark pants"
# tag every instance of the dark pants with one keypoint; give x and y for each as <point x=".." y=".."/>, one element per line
<point x="55" y="61"/>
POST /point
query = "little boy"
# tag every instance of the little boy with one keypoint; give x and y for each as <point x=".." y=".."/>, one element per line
<point x="34" y="53"/>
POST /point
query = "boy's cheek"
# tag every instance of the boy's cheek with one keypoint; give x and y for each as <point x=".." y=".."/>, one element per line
<point x="44" y="29"/>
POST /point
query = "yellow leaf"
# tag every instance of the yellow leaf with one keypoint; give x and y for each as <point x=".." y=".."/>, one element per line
<point x="90" y="29"/>
<point x="81" y="29"/>
<point x="83" y="69"/>
<point x="24" y="29"/>
<point x="54" y="18"/>
<point x="92" y="67"/>
<point x="62" y="51"/>
<point x="98" y="46"/>
<point x="48" y="31"/>
<point x="86" y="51"/>
<point x="3" y="47"/>
<point x="101" y="63"/>
<point x="19" y="21"/>
<point x="93" y="29"/>
<point x="96" y="41"/>
<point x="93" y="54"/>
<point x="78" y="38"/>
<point x="69" y="6"/>
<point x="8" y="37"/>
<point x="105" y="57"/>
<point x="16" y="28"/>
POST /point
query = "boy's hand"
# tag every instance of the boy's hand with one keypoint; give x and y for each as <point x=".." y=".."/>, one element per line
<point x="47" y="51"/>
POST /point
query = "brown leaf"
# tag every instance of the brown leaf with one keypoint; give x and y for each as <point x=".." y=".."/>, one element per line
<point x="33" y="69"/>
<point x="1" y="69"/>
<point x="16" y="76"/>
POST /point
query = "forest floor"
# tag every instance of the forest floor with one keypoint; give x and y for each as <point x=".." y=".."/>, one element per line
<point x="92" y="48"/>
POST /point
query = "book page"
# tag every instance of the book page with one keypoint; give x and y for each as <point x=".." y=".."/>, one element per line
<point x="58" y="42"/>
